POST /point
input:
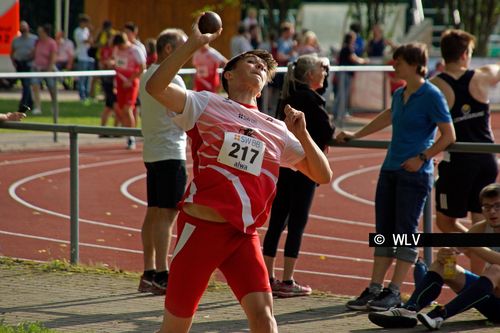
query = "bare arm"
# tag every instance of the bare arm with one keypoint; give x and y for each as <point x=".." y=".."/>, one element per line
<point x="315" y="164"/>
<point x="446" y="138"/>
<point x="378" y="123"/>
<point x="170" y="95"/>
<point x="12" y="116"/>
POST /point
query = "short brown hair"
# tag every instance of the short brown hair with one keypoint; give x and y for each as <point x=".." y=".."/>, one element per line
<point x="489" y="191"/>
<point x="262" y="54"/>
<point x="454" y="43"/>
<point x="171" y="36"/>
<point x="413" y="54"/>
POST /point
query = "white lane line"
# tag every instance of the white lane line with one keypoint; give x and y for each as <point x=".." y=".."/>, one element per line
<point x="33" y="160"/>
<point x="336" y="184"/>
<point x="120" y="249"/>
<point x="62" y="241"/>
<point x="15" y="185"/>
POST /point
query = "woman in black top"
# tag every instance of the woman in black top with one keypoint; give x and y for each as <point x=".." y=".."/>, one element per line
<point x="295" y="191"/>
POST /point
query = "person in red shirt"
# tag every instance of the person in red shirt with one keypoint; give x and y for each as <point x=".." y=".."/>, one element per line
<point x="237" y="151"/>
<point x="129" y="63"/>
<point x="207" y="61"/>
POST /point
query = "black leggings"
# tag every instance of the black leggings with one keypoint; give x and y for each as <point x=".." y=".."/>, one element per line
<point x="291" y="206"/>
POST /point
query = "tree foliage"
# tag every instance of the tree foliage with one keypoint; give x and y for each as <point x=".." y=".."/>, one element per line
<point x="479" y="17"/>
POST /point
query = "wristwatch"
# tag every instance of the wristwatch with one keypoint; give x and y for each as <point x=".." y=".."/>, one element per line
<point x="423" y="157"/>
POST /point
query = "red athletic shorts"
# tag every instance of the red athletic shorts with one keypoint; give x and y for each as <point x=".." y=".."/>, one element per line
<point x="203" y="246"/>
<point x="126" y="95"/>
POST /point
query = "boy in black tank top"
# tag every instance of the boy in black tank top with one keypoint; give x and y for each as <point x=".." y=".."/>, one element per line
<point x="463" y="175"/>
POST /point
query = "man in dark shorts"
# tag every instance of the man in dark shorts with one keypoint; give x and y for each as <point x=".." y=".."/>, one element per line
<point x="164" y="154"/>
<point x="463" y="175"/>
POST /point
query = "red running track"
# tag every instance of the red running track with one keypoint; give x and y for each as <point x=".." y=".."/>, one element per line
<point x="34" y="222"/>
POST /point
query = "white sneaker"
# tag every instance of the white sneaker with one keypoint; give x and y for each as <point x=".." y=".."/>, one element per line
<point x="131" y="143"/>
<point x="36" y="111"/>
<point x="431" y="323"/>
<point x="394" y="318"/>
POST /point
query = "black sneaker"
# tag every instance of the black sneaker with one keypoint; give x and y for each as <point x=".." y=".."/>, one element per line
<point x="386" y="300"/>
<point x="394" y="318"/>
<point x="145" y="284"/>
<point x="361" y="303"/>
<point x="159" y="285"/>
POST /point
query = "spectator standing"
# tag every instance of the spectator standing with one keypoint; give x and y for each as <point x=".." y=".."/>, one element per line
<point x="377" y="44"/>
<point x="44" y="61"/>
<point x="308" y="44"/>
<point x="406" y="176"/>
<point x="207" y="61"/>
<point x="294" y="190"/>
<point x="463" y="175"/>
<point x="251" y="18"/>
<point x="224" y="204"/>
<point x="241" y="42"/>
<point x="132" y="31"/>
<point x="130" y="62"/>
<point x="65" y="55"/>
<point x="342" y="88"/>
<point x="359" y="41"/>
<point x="255" y="36"/>
<point x="152" y="54"/>
<point x="480" y="291"/>
<point x="22" y="54"/>
<point x="164" y="154"/>
<point x="106" y="62"/>
<point x="83" y="41"/>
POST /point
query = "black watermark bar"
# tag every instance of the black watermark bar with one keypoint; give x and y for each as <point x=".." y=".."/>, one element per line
<point x="435" y="240"/>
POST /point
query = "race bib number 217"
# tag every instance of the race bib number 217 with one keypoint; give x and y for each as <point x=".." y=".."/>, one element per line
<point x="242" y="152"/>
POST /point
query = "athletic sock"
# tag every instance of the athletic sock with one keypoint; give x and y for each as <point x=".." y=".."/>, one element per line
<point x="426" y="291"/>
<point x="149" y="274"/>
<point x="478" y="292"/>
<point x="394" y="288"/>
<point x="375" y="287"/>
<point x="161" y="276"/>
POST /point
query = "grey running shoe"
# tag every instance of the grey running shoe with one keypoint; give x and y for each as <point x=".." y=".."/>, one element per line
<point x="394" y="318"/>
<point x="386" y="300"/>
<point x="361" y="303"/>
<point x="431" y="323"/>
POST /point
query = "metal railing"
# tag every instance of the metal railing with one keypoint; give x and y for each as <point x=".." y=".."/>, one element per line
<point x="74" y="130"/>
<point x="342" y="92"/>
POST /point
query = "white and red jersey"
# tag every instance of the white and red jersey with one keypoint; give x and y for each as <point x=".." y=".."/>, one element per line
<point x="207" y="61"/>
<point x="237" y="152"/>
<point x="128" y="61"/>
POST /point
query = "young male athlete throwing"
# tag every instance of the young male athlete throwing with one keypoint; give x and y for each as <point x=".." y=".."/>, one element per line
<point x="237" y="152"/>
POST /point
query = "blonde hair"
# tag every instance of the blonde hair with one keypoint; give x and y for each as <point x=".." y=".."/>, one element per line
<point x="298" y="70"/>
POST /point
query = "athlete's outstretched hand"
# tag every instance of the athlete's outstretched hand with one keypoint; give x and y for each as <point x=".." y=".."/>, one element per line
<point x="295" y="121"/>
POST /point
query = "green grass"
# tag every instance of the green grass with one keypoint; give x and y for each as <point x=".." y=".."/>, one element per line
<point x="70" y="112"/>
<point x="24" y="328"/>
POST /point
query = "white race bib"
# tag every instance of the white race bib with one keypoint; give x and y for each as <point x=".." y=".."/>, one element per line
<point x="242" y="152"/>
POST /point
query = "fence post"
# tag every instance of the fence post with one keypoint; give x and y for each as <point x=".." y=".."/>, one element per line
<point x="74" y="199"/>
<point x="428" y="228"/>
<point x="55" y="106"/>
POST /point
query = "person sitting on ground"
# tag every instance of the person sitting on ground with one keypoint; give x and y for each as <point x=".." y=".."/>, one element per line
<point x="481" y="292"/>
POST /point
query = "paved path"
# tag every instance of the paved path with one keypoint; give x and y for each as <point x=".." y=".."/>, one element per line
<point x="92" y="302"/>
